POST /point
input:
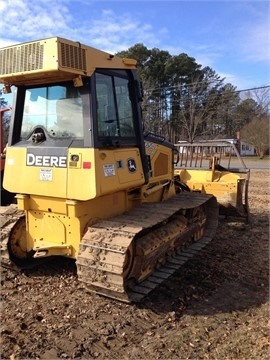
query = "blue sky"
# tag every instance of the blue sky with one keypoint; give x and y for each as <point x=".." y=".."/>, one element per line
<point x="230" y="36"/>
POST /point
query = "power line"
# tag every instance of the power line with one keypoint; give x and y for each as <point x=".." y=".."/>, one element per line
<point x="255" y="88"/>
<point x="203" y="82"/>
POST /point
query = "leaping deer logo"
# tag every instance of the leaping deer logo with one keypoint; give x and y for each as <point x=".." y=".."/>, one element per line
<point x="131" y="165"/>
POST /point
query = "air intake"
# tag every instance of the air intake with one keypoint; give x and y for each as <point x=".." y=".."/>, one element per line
<point x="53" y="59"/>
<point x="73" y="57"/>
<point x="21" y="58"/>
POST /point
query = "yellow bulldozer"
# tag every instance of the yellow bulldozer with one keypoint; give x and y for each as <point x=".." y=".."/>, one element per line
<point x="90" y="184"/>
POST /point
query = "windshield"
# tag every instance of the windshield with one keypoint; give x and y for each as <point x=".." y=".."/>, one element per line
<point x="56" y="108"/>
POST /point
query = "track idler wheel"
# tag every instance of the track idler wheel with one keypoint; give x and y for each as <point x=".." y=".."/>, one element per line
<point x="17" y="244"/>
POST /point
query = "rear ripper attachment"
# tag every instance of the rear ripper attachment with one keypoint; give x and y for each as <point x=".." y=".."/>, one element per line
<point x="128" y="256"/>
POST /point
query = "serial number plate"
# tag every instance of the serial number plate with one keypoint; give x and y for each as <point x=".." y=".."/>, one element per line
<point x="109" y="170"/>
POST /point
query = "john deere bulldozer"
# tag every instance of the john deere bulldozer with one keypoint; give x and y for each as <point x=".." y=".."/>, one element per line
<point x="90" y="184"/>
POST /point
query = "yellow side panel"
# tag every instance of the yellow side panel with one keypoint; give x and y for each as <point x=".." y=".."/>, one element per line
<point x="78" y="174"/>
<point x="37" y="180"/>
<point x="81" y="182"/>
<point x="161" y="160"/>
<point x="118" y="169"/>
<point x="100" y="172"/>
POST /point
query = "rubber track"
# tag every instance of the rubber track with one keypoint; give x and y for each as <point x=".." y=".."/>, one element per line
<point x="100" y="261"/>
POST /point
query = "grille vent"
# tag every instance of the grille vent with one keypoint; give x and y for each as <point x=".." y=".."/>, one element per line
<point x="72" y="56"/>
<point x="21" y="58"/>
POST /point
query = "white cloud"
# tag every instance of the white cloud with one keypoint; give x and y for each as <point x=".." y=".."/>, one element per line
<point x="44" y="18"/>
<point x="257" y="48"/>
<point x="26" y="21"/>
<point x="115" y="32"/>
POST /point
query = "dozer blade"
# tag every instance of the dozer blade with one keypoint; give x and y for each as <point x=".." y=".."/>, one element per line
<point x="128" y="256"/>
<point x="215" y="167"/>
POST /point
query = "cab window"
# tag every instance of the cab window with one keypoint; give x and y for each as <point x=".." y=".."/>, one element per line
<point x="114" y="108"/>
<point x="56" y="108"/>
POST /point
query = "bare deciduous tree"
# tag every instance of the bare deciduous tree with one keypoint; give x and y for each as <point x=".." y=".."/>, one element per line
<point x="256" y="133"/>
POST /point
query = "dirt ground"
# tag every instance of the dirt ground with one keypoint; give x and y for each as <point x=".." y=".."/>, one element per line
<point x="215" y="307"/>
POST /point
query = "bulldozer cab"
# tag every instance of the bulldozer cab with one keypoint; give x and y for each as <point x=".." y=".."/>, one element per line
<point x="67" y="111"/>
<point x="100" y="112"/>
<point x="62" y="110"/>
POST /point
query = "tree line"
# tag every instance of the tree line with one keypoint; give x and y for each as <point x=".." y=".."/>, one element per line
<point x="185" y="101"/>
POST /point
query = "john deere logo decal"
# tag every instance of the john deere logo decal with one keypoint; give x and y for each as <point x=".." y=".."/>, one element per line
<point x="131" y="165"/>
<point x="52" y="158"/>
